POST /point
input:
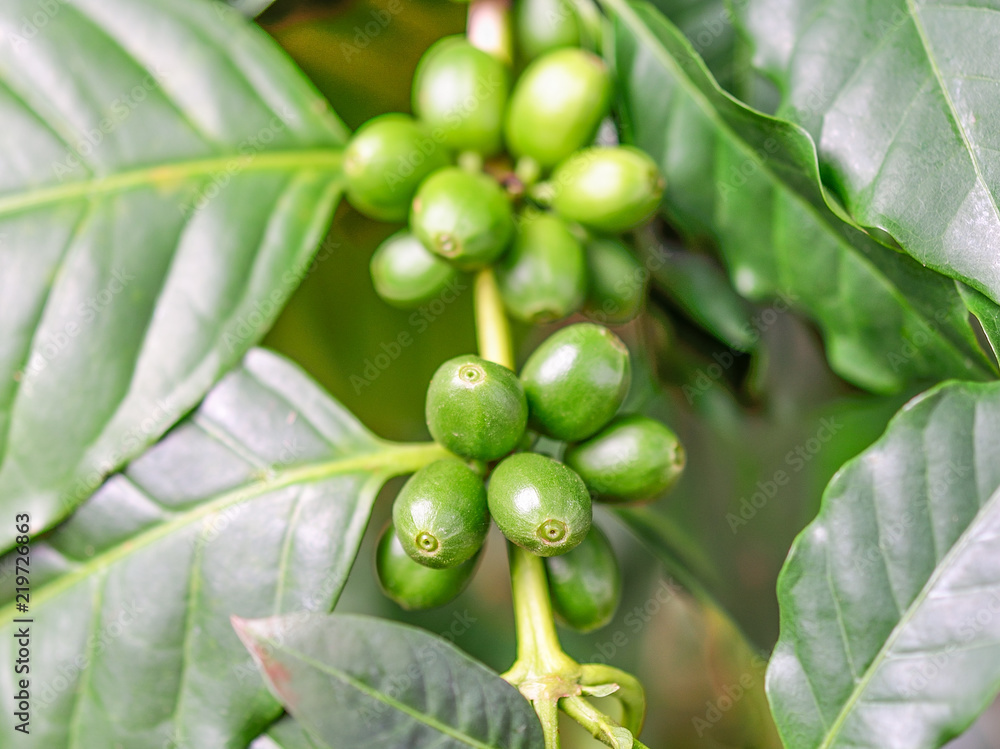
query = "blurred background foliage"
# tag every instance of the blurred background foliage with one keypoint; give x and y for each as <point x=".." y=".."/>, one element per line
<point x="764" y="421"/>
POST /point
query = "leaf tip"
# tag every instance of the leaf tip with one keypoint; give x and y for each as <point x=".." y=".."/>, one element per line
<point x="252" y="637"/>
<point x="252" y="633"/>
<point x="241" y="626"/>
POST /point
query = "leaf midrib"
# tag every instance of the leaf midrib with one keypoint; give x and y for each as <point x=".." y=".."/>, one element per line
<point x="624" y="10"/>
<point x="428" y="720"/>
<point x="897" y="631"/>
<point x="316" y="159"/>
<point x="925" y="42"/>
<point x="386" y="460"/>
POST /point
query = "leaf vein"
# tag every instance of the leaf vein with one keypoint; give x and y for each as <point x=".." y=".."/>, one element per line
<point x="47" y="124"/>
<point x="887" y="647"/>
<point x="959" y="124"/>
<point x="381" y="463"/>
<point x="187" y="658"/>
<point x="845" y="642"/>
<point x="82" y="221"/>
<point x="316" y="160"/>
<point x="427" y="720"/>
<point x="286" y="549"/>
<point x="182" y="113"/>
<point x="80" y="693"/>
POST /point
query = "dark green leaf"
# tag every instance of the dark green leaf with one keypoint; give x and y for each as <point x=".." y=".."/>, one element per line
<point x="901" y="96"/>
<point x="708" y="26"/>
<point x="986" y="312"/>
<point x="749" y="183"/>
<point x="890" y="610"/>
<point x="254" y="505"/>
<point x="354" y="681"/>
<point x="167" y="176"/>
<point x="699" y="287"/>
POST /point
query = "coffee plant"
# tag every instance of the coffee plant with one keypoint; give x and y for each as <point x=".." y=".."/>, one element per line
<point x="623" y="284"/>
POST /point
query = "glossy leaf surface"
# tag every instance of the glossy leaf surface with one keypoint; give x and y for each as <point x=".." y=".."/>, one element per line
<point x="254" y="505"/>
<point x="167" y="175"/>
<point x="890" y="612"/>
<point x="901" y="98"/>
<point x="749" y="183"/>
<point x="354" y="681"/>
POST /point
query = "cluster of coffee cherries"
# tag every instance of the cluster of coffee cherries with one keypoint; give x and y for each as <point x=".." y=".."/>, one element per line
<point x="487" y="175"/>
<point x="569" y="390"/>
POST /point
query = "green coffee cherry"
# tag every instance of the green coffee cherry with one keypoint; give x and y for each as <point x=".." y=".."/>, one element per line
<point x="617" y="286"/>
<point x="463" y="217"/>
<point x="585" y="584"/>
<point x="476" y="408"/>
<point x="544" y="25"/>
<point x="384" y="163"/>
<point x="407" y="274"/>
<point x="460" y="93"/>
<point x="543" y="277"/>
<point x="633" y="458"/>
<point x="608" y="189"/>
<point x="539" y="504"/>
<point x="412" y="585"/>
<point x="557" y="105"/>
<point x="576" y="380"/>
<point x="440" y="514"/>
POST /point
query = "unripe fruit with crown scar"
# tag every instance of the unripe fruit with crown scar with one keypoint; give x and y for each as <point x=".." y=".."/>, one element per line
<point x="441" y="515"/>
<point x="539" y="504"/>
<point x="585" y="583"/>
<point x="476" y="408"/>
<point x="462" y="216"/>
<point x="412" y="585"/>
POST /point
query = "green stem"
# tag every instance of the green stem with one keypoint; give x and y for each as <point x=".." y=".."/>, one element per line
<point x="538" y="646"/>
<point x="630" y="693"/>
<point x="548" y="716"/>
<point x="600" y="726"/>
<point x="492" y="327"/>
<point x="543" y="672"/>
<point x="538" y="651"/>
